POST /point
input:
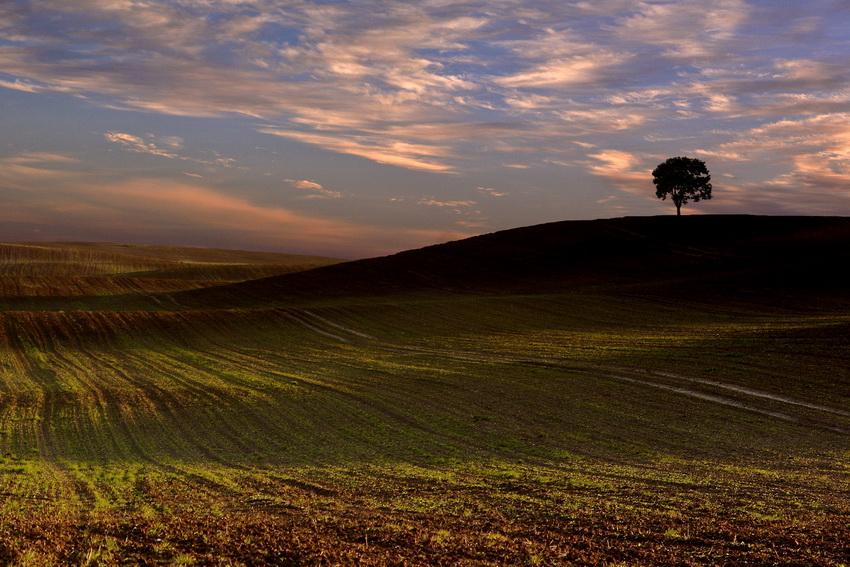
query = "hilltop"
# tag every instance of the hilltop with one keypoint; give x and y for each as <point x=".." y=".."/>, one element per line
<point x="667" y="255"/>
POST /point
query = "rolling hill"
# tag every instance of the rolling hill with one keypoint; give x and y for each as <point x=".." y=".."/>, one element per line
<point x="45" y="275"/>
<point x="680" y="256"/>
<point x="641" y="391"/>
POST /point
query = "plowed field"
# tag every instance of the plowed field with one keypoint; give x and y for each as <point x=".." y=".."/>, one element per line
<point x="557" y="429"/>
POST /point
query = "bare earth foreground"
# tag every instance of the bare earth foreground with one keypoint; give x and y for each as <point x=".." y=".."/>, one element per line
<point x="581" y="393"/>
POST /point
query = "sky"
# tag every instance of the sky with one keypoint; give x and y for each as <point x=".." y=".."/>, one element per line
<point x="359" y="128"/>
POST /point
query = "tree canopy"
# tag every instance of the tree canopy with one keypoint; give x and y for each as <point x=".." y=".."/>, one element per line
<point x="683" y="179"/>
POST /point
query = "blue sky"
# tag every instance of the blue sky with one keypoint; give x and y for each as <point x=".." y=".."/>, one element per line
<point x="364" y="127"/>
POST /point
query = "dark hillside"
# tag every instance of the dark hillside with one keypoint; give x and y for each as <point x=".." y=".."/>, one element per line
<point x="655" y="255"/>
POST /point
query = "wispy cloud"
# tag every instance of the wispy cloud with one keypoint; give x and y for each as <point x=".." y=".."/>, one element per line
<point x="827" y="136"/>
<point x="19" y="85"/>
<point x="541" y="92"/>
<point x="136" y="144"/>
<point x="624" y="170"/>
<point x="582" y="70"/>
<point x="810" y="155"/>
<point x="43" y="158"/>
<point x="392" y="152"/>
<point x="162" y="146"/>
<point x="449" y="204"/>
<point x="70" y="203"/>
<point x="315" y="189"/>
<point x="687" y="30"/>
<point x="358" y="79"/>
<point x="355" y="79"/>
<point x="304" y="184"/>
<point x="23" y="171"/>
<point x="492" y="192"/>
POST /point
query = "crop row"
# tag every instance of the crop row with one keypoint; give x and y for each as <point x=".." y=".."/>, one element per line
<point x="221" y="385"/>
<point x="476" y="430"/>
<point x="580" y="512"/>
<point x="81" y="261"/>
<point x="36" y="260"/>
<point x="77" y="287"/>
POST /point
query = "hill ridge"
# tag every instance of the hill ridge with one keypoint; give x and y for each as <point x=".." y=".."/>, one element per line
<point x="724" y="252"/>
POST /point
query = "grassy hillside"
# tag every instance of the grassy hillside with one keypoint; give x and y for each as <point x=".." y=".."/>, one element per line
<point x="569" y="411"/>
<point x="110" y="259"/>
<point x="69" y="275"/>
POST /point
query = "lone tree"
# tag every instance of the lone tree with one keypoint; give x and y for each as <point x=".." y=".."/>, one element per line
<point x="682" y="178"/>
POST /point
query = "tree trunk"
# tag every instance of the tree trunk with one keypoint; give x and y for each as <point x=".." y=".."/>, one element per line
<point x="678" y="209"/>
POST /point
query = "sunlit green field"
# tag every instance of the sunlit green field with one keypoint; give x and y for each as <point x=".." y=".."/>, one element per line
<point x="552" y="429"/>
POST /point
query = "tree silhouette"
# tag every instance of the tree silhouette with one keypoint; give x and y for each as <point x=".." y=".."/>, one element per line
<point x="682" y="178"/>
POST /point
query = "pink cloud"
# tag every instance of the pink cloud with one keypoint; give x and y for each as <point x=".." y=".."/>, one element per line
<point x="72" y="205"/>
<point x="316" y="189"/>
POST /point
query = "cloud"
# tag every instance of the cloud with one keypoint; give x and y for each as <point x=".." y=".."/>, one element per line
<point x="136" y="144"/>
<point x="47" y="198"/>
<point x="399" y="84"/>
<point x="492" y="192"/>
<point x="459" y="87"/>
<point x="391" y="152"/>
<point x="173" y="142"/>
<point x="769" y="198"/>
<point x="691" y="29"/>
<point x="623" y="170"/>
<point x="450" y="204"/>
<point x="792" y="166"/>
<point x="304" y="184"/>
<point x="26" y="170"/>
<point x="373" y="69"/>
<point x="318" y="192"/>
<point x="586" y="119"/>
<point x="44" y="158"/>
<point x="323" y="66"/>
<point x="771" y="89"/>
<point x="815" y="151"/>
<point x="575" y="70"/>
<point x="613" y="162"/>
<point x="827" y="136"/>
<point x="466" y="214"/>
<point x="18" y="85"/>
<point x="163" y="146"/>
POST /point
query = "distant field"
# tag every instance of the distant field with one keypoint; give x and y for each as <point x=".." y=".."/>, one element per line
<point x="434" y="427"/>
<point x="45" y="275"/>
